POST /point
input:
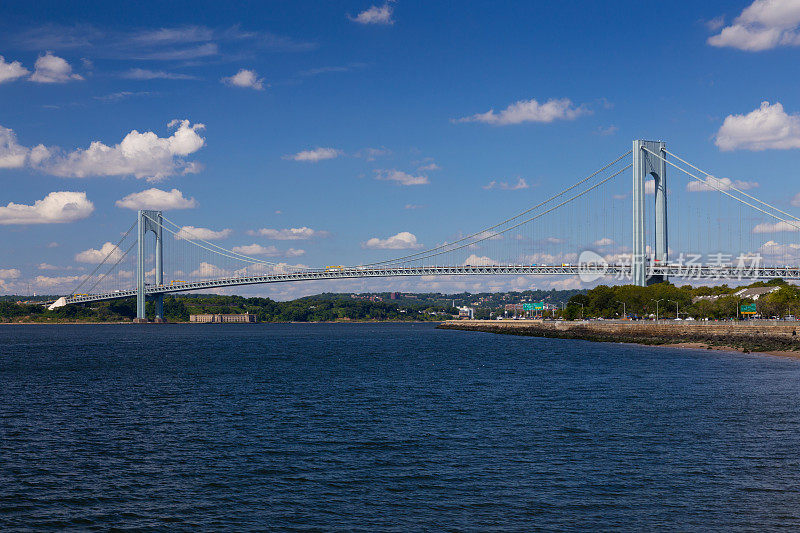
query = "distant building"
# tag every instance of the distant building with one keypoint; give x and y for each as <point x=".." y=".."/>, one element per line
<point x="245" y="318"/>
<point x="752" y="293"/>
<point x="394" y="295"/>
<point x="466" y="313"/>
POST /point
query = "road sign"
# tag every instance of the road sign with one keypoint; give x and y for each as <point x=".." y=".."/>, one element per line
<point x="747" y="309"/>
<point x="535" y="306"/>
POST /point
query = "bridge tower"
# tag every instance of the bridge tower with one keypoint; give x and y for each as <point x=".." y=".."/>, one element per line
<point x="644" y="164"/>
<point x="149" y="221"/>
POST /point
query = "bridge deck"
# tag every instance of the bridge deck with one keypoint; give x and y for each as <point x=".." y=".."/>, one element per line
<point x="621" y="272"/>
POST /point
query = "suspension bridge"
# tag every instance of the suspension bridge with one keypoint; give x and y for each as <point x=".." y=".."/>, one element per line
<point x="701" y="227"/>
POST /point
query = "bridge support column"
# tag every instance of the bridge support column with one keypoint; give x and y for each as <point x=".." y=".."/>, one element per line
<point x="149" y="221"/>
<point x="644" y="164"/>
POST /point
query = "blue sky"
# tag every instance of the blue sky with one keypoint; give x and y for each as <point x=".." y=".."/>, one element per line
<point x="365" y="122"/>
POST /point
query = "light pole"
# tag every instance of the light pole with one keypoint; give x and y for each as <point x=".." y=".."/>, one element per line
<point x="656" y="301"/>
<point x="624" y="312"/>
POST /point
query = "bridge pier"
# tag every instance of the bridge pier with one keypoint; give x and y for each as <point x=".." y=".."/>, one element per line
<point x="149" y="221"/>
<point x="645" y="164"/>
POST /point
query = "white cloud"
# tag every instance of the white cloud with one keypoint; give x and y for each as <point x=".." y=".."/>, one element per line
<point x="96" y="256"/>
<point x="402" y="241"/>
<point x="11" y="71"/>
<point x="288" y="234"/>
<point x="145" y="74"/>
<point x="714" y="184"/>
<point x="417" y="206"/>
<point x="650" y="186"/>
<point x="52" y="69"/>
<point x="207" y="270"/>
<point x="768" y="127"/>
<point x="191" y="232"/>
<point x="772" y="248"/>
<point x="156" y="199"/>
<point x="257" y="249"/>
<point x="245" y="78"/>
<point x="312" y="156"/>
<point x="475" y="260"/>
<point x="269" y="251"/>
<point x="429" y="167"/>
<point x="774" y="227"/>
<point x="530" y="111"/>
<point x="796" y="200"/>
<point x="605" y="241"/>
<point x="55" y="208"/>
<point x="375" y="15"/>
<point x="505" y="186"/>
<point x="401" y="177"/>
<point x="12" y="154"/>
<point x="763" y="25"/>
<point x="49" y="282"/>
<point x="9" y="273"/>
<point x="371" y="154"/>
<point x="144" y="155"/>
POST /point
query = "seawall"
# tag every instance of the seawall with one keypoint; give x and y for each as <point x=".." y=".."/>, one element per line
<point x="768" y="337"/>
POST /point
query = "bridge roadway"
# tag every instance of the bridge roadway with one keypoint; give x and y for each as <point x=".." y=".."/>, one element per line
<point x="618" y="271"/>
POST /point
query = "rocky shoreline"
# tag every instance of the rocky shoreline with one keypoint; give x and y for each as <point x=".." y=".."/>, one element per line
<point x="772" y="338"/>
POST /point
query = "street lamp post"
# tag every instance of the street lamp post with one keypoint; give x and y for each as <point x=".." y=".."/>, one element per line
<point x="624" y="312"/>
<point x="656" y="301"/>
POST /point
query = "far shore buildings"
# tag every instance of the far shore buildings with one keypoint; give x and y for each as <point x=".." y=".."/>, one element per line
<point x="245" y="318"/>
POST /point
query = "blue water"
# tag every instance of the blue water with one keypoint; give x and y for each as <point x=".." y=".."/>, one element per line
<point x="388" y="427"/>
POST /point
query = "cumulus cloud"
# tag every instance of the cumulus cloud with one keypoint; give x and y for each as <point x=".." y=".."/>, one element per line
<point x="650" y="186"/>
<point x="269" y="251"/>
<point x="257" y="249"/>
<point x="191" y="232"/>
<point x="208" y="270"/>
<point x="49" y="282"/>
<point x="144" y="155"/>
<point x="11" y="71"/>
<point x="505" y="186"/>
<point x="12" y="154"/>
<point x="475" y="260"/>
<point x="157" y="199"/>
<point x="530" y="111"/>
<point x="96" y="256"/>
<point x="245" y="78"/>
<point x="402" y="241"/>
<point x="763" y="25"/>
<point x="9" y="273"/>
<point x="772" y="248"/>
<point x="716" y="184"/>
<point x="401" y="178"/>
<point x="315" y="155"/>
<point x="605" y="241"/>
<point x="768" y="127"/>
<point x="775" y="227"/>
<point x="288" y="234"/>
<point x="375" y="15"/>
<point x="55" y="208"/>
<point x="52" y="69"/>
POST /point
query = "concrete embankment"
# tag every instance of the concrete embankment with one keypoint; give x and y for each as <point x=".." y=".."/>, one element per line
<point x="771" y="337"/>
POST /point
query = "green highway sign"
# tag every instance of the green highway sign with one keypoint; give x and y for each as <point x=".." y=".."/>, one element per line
<point x="535" y="306"/>
<point x="747" y="309"/>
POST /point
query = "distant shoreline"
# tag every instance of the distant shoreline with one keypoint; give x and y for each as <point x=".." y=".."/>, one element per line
<point x="89" y="323"/>
<point x="781" y="340"/>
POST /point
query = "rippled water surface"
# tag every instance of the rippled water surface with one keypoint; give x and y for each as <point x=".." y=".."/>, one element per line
<point x="388" y="427"/>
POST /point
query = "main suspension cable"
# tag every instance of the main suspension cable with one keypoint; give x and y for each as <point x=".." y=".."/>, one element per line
<point x="115" y="249"/>
<point x="584" y="180"/>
